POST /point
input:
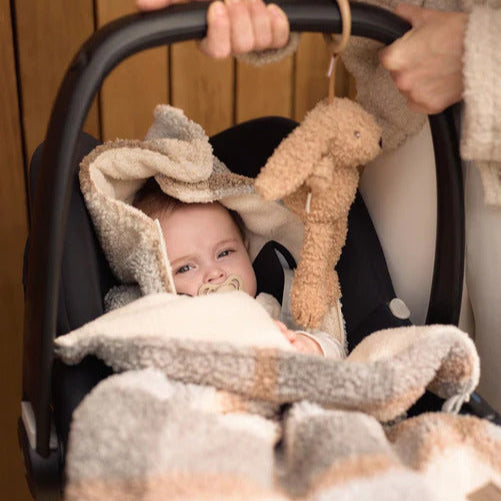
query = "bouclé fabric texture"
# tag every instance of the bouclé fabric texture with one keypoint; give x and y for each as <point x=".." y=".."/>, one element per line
<point x="198" y="413"/>
<point x="210" y="401"/>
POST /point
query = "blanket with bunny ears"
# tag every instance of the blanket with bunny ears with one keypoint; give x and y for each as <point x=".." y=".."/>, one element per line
<point x="177" y="153"/>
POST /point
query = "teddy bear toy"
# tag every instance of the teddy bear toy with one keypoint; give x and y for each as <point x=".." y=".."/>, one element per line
<point x="315" y="170"/>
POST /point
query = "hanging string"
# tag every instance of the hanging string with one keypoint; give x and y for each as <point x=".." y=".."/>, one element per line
<point x="331" y="74"/>
<point x="337" y="44"/>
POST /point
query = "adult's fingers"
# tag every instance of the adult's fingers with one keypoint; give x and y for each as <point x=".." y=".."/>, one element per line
<point x="217" y="43"/>
<point x="397" y="55"/>
<point x="256" y="26"/>
<point x="279" y="26"/>
<point x="426" y="63"/>
<point x="261" y="24"/>
<point x="253" y="25"/>
<point x="159" y="4"/>
<point x="237" y="26"/>
<point x="241" y="28"/>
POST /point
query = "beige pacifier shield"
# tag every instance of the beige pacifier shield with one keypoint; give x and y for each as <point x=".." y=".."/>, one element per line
<point x="232" y="283"/>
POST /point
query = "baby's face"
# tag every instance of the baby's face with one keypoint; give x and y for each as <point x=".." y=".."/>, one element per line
<point x="204" y="246"/>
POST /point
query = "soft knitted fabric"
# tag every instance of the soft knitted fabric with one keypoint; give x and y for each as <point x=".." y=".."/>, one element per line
<point x="481" y="139"/>
<point x="199" y="417"/>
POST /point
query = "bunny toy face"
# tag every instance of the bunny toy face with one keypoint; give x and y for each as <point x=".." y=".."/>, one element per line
<point x="331" y="137"/>
<point x="357" y="140"/>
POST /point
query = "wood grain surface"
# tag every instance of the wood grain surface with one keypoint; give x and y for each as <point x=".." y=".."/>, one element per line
<point x="202" y="87"/>
<point x="263" y="91"/>
<point x="13" y="232"/>
<point x="130" y="93"/>
<point x="312" y="64"/>
<point x="48" y="36"/>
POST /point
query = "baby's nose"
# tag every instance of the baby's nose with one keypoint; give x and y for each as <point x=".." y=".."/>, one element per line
<point x="215" y="275"/>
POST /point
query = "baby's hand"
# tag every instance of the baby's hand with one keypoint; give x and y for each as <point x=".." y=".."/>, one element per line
<point x="299" y="341"/>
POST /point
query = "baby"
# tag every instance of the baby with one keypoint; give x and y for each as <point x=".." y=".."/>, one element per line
<point x="208" y="252"/>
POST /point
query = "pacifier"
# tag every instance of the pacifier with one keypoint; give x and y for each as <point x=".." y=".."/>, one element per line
<point x="232" y="283"/>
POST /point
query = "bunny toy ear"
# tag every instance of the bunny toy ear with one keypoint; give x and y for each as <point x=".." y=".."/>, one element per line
<point x="291" y="163"/>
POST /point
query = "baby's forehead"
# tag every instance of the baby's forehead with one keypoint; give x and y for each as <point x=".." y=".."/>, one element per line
<point x="204" y="216"/>
<point x="202" y="211"/>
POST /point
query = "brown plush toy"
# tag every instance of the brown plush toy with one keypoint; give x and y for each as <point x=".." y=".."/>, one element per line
<point x="315" y="171"/>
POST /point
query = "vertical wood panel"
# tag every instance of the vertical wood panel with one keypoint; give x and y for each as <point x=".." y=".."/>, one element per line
<point x="130" y="93"/>
<point x="311" y="66"/>
<point x="49" y="34"/>
<point x="202" y="87"/>
<point x="312" y="63"/>
<point x="265" y="90"/>
<point x="13" y="230"/>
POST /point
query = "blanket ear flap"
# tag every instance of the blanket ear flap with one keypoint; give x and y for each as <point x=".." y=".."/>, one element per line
<point x="172" y="123"/>
<point x="184" y="144"/>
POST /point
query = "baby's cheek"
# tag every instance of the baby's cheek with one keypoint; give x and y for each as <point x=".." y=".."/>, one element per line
<point x="185" y="286"/>
<point x="249" y="283"/>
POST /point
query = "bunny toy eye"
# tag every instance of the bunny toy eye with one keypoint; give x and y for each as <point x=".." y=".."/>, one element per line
<point x="357" y="134"/>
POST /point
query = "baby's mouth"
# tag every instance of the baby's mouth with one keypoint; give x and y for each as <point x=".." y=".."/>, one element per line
<point x="232" y="283"/>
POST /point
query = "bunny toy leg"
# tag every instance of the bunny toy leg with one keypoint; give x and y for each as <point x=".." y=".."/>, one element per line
<point x="333" y="288"/>
<point x="309" y="301"/>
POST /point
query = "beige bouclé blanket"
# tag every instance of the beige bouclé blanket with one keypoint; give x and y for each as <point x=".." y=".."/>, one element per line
<point x="211" y="402"/>
<point x="215" y="412"/>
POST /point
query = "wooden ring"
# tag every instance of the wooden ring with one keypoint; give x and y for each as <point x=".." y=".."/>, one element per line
<point x="335" y="45"/>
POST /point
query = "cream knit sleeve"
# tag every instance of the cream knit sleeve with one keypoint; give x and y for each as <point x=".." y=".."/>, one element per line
<point x="481" y="136"/>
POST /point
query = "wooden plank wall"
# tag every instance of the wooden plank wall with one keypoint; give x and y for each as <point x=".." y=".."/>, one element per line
<point x="37" y="41"/>
<point x="13" y="231"/>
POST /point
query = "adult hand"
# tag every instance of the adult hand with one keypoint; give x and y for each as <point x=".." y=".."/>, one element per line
<point x="236" y="26"/>
<point x="426" y="63"/>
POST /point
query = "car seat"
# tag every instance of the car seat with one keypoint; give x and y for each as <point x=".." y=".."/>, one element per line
<point x="67" y="276"/>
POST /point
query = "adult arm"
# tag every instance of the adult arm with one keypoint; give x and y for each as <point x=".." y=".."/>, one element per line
<point x="481" y="139"/>
<point x="449" y="56"/>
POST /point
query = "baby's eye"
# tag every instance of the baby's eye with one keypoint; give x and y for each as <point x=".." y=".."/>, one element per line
<point x="183" y="269"/>
<point x="225" y="253"/>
